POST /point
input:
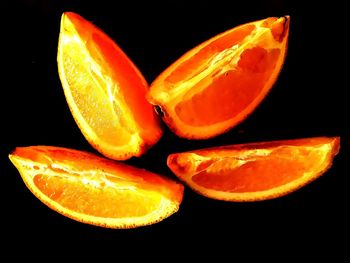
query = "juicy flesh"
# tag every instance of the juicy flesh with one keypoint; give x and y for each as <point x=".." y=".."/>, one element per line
<point x="226" y="76"/>
<point x="94" y="186"/>
<point x="254" y="173"/>
<point x="130" y="86"/>
<point x="107" y="90"/>
<point x="95" y="195"/>
<point x="229" y="93"/>
<point x="251" y="170"/>
<point x="97" y="102"/>
<point x="191" y="67"/>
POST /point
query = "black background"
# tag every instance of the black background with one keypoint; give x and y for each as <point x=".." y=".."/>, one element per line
<point x="309" y="99"/>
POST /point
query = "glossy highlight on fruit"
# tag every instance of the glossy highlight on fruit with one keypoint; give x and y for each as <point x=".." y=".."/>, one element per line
<point x="95" y="190"/>
<point x="217" y="84"/>
<point x="254" y="171"/>
<point x="105" y="91"/>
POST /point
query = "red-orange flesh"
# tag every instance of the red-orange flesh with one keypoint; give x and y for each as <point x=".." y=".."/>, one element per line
<point x="255" y="171"/>
<point x="217" y="84"/>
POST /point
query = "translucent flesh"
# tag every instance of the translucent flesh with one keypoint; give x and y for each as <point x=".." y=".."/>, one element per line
<point x="229" y="93"/>
<point x="96" y="196"/>
<point x="217" y="84"/>
<point x="129" y="84"/>
<point x="196" y="63"/>
<point x="94" y="189"/>
<point x="103" y="115"/>
<point x="257" y="173"/>
<point x="255" y="167"/>
<point x="104" y="89"/>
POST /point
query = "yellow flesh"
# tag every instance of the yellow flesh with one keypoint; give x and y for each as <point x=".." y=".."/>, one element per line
<point x="93" y="97"/>
<point x="79" y="194"/>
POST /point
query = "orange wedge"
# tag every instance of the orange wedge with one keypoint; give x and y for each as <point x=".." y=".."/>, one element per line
<point x="218" y="83"/>
<point x="105" y="91"/>
<point x="94" y="190"/>
<point x="255" y="171"/>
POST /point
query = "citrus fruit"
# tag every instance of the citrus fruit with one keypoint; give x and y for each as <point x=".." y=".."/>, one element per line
<point x="254" y="171"/>
<point x="104" y="90"/>
<point x="96" y="190"/>
<point x="218" y="83"/>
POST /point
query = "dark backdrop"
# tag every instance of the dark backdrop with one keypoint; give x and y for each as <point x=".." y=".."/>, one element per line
<point x="309" y="99"/>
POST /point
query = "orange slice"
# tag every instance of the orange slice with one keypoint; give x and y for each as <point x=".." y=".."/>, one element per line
<point x="94" y="190"/>
<point x="254" y="171"/>
<point x="105" y="91"/>
<point x="217" y="84"/>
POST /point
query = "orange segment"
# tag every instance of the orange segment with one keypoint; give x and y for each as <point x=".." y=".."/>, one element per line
<point x="217" y="84"/>
<point x="254" y="171"/>
<point x="95" y="190"/>
<point x="105" y="91"/>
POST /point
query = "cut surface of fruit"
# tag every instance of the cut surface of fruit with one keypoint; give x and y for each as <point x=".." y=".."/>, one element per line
<point x="254" y="171"/>
<point x="95" y="190"/>
<point x="104" y="91"/>
<point x="217" y="84"/>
